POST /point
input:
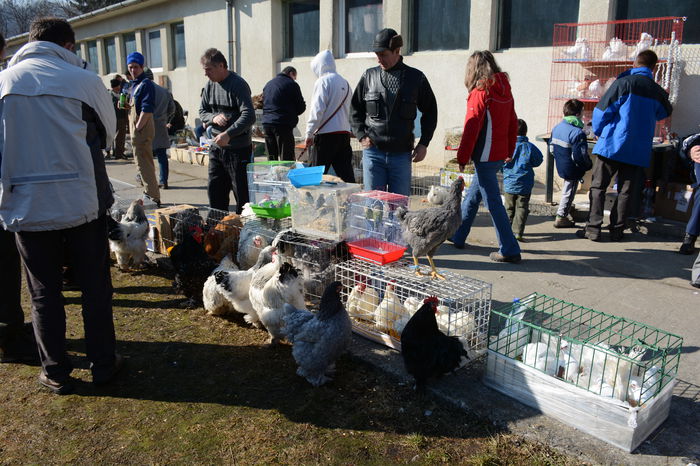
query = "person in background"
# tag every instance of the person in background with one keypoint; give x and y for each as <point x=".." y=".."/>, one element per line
<point x="177" y="120"/>
<point x="227" y="108"/>
<point x="17" y="342"/>
<point x="519" y="179"/>
<point x="383" y="110"/>
<point x="142" y="92"/>
<point x="690" y="149"/>
<point x="490" y="133"/>
<point x="327" y="127"/>
<point x="282" y="104"/>
<point x="122" y="115"/>
<point x="571" y="157"/>
<point x="55" y="193"/>
<point x="163" y="110"/>
<point x="624" y="120"/>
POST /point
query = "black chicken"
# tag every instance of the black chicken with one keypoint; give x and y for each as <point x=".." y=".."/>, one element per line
<point x="426" y="351"/>
<point x="192" y="267"/>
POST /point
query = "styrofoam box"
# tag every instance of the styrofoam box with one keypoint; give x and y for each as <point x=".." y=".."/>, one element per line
<point x="608" y="419"/>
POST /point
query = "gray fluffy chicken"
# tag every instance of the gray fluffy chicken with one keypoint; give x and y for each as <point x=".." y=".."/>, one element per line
<point x="425" y="230"/>
<point x="318" y="339"/>
<point x="127" y="238"/>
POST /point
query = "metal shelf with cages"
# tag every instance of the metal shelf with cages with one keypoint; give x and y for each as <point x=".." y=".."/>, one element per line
<point x="381" y="300"/>
<point x="267" y="187"/>
<point x="588" y="57"/>
<point x="564" y="358"/>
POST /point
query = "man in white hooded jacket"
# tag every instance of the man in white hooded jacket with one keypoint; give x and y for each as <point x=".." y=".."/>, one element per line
<point x="55" y="119"/>
<point x="328" y="126"/>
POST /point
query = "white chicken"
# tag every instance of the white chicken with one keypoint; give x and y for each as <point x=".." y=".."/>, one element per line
<point x="580" y="50"/>
<point x="412" y="304"/>
<point x="271" y="287"/>
<point x="388" y="310"/>
<point x="214" y="302"/>
<point x="127" y="238"/>
<point x="596" y="89"/>
<point x="362" y="302"/>
<point x="616" y="51"/>
<point x="540" y="356"/>
<point x="437" y="195"/>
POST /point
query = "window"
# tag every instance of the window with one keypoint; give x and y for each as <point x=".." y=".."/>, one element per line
<point x="78" y="51"/>
<point x="302" y="32"/>
<point x="363" y="20"/>
<point x="440" y="32"/>
<point x="129" y="43"/>
<point x="155" y="58"/>
<point x="530" y="23"/>
<point x="110" y="54"/>
<point x="178" y="48"/>
<point x="638" y="9"/>
<point x="92" y="54"/>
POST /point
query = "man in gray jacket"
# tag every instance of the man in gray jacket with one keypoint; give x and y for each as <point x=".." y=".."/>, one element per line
<point x="54" y="193"/>
<point x="227" y="108"/>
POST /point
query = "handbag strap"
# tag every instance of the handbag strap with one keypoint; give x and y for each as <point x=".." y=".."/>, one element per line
<point x="336" y="110"/>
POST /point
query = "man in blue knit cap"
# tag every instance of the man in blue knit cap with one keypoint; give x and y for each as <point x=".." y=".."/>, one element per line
<point x="142" y="93"/>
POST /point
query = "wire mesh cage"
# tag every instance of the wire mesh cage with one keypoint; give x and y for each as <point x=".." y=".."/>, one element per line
<point x="423" y="177"/>
<point x="588" y="57"/>
<point x="256" y="234"/>
<point x="372" y="231"/>
<point x="267" y="187"/>
<point x="381" y="300"/>
<point x="357" y="159"/>
<point x="607" y="355"/>
<point x="319" y="211"/>
<point x="315" y="258"/>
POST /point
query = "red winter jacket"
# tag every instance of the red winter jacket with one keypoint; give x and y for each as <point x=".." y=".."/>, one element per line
<point x="491" y="126"/>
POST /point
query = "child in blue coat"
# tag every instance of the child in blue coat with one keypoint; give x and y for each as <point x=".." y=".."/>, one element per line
<point x="519" y="179"/>
<point x="571" y="157"/>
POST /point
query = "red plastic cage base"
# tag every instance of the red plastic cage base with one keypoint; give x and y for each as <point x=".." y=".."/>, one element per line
<point x="376" y="251"/>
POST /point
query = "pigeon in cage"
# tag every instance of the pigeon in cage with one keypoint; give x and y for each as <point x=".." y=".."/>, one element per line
<point x="127" y="238"/>
<point x="596" y="89"/>
<point x="645" y="43"/>
<point x="426" y="351"/>
<point x="233" y="287"/>
<point x="616" y="51"/>
<point x="318" y="339"/>
<point x="580" y="50"/>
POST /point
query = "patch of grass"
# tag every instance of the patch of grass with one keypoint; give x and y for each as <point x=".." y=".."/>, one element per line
<point x="199" y="389"/>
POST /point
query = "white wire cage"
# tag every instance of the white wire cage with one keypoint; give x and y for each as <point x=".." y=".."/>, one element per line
<point x="357" y="159"/>
<point x="381" y="300"/>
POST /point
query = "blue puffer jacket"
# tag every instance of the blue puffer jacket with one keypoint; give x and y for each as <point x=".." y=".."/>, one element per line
<point x="518" y="174"/>
<point x="565" y="139"/>
<point x="625" y="117"/>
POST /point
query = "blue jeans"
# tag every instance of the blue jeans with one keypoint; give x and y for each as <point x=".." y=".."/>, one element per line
<point x="693" y="227"/>
<point x="387" y="171"/>
<point x="485" y="185"/>
<point x="163" y="164"/>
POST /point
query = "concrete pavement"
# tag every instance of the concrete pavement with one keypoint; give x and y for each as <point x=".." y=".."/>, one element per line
<point x="641" y="278"/>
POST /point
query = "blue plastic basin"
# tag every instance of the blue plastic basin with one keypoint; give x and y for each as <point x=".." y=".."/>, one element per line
<point x="310" y="176"/>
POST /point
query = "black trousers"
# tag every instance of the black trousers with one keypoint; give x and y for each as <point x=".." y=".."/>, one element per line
<point x="43" y="256"/>
<point x="279" y="141"/>
<point x="604" y="171"/>
<point x="11" y="314"/>
<point x="333" y="150"/>
<point x="227" y="171"/>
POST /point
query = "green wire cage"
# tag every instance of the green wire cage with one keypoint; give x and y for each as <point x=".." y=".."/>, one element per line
<point x="610" y="356"/>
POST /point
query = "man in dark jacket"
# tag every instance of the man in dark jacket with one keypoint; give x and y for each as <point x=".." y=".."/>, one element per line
<point x="122" y="119"/>
<point x="282" y="103"/>
<point x="383" y="110"/>
<point x="624" y="121"/>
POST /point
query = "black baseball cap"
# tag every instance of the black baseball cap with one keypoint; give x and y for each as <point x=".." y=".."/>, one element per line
<point x="386" y="39"/>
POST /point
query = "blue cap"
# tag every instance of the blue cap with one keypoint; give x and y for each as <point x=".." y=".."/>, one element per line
<point x="135" y="57"/>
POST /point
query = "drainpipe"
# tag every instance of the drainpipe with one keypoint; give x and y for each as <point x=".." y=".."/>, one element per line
<point x="229" y="34"/>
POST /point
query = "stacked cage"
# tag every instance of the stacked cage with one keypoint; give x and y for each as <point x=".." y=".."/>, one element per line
<point x="588" y="57"/>
<point x="381" y="300"/>
<point x="373" y="232"/>
<point x="563" y="359"/>
<point x="267" y="187"/>
<point x="319" y="211"/>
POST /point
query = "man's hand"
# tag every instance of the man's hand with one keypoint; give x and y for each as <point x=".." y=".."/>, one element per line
<point x="462" y="167"/>
<point x="309" y="142"/>
<point x="366" y="142"/>
<point x="419" y="153"/>
<point x="695" y="153"/>
<point x="220" y="120"/>
<point x="222" y="139"/>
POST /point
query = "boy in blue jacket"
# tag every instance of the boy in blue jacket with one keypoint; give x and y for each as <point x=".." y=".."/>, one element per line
<point x="624" y="121"/>
<point x="571" y="158"/>
<point x="519" y="178"/>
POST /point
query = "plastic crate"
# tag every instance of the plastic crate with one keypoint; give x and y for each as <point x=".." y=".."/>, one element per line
<point x="319" y="211"/>
<point x="267" y="187"/>
<point x="464" y="303"/>
<point x="307" y="176"/>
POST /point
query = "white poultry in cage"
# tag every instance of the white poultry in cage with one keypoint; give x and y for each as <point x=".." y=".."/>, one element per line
<point x="362" y="302"/>
<point x="388" y="310"/>
<point x="580" y="50"/>
<point x="645" y="43"/>
<point x="616" y="51"/>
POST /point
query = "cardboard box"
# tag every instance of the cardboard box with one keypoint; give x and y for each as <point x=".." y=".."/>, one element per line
<point x="674" y="202"/>
<point x="165" y="222"/>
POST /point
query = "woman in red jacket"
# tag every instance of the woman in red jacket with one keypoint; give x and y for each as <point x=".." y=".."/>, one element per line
<point x="490" y="131"/>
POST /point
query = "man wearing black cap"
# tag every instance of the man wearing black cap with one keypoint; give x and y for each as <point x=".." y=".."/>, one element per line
<point x="383" y="112"/>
